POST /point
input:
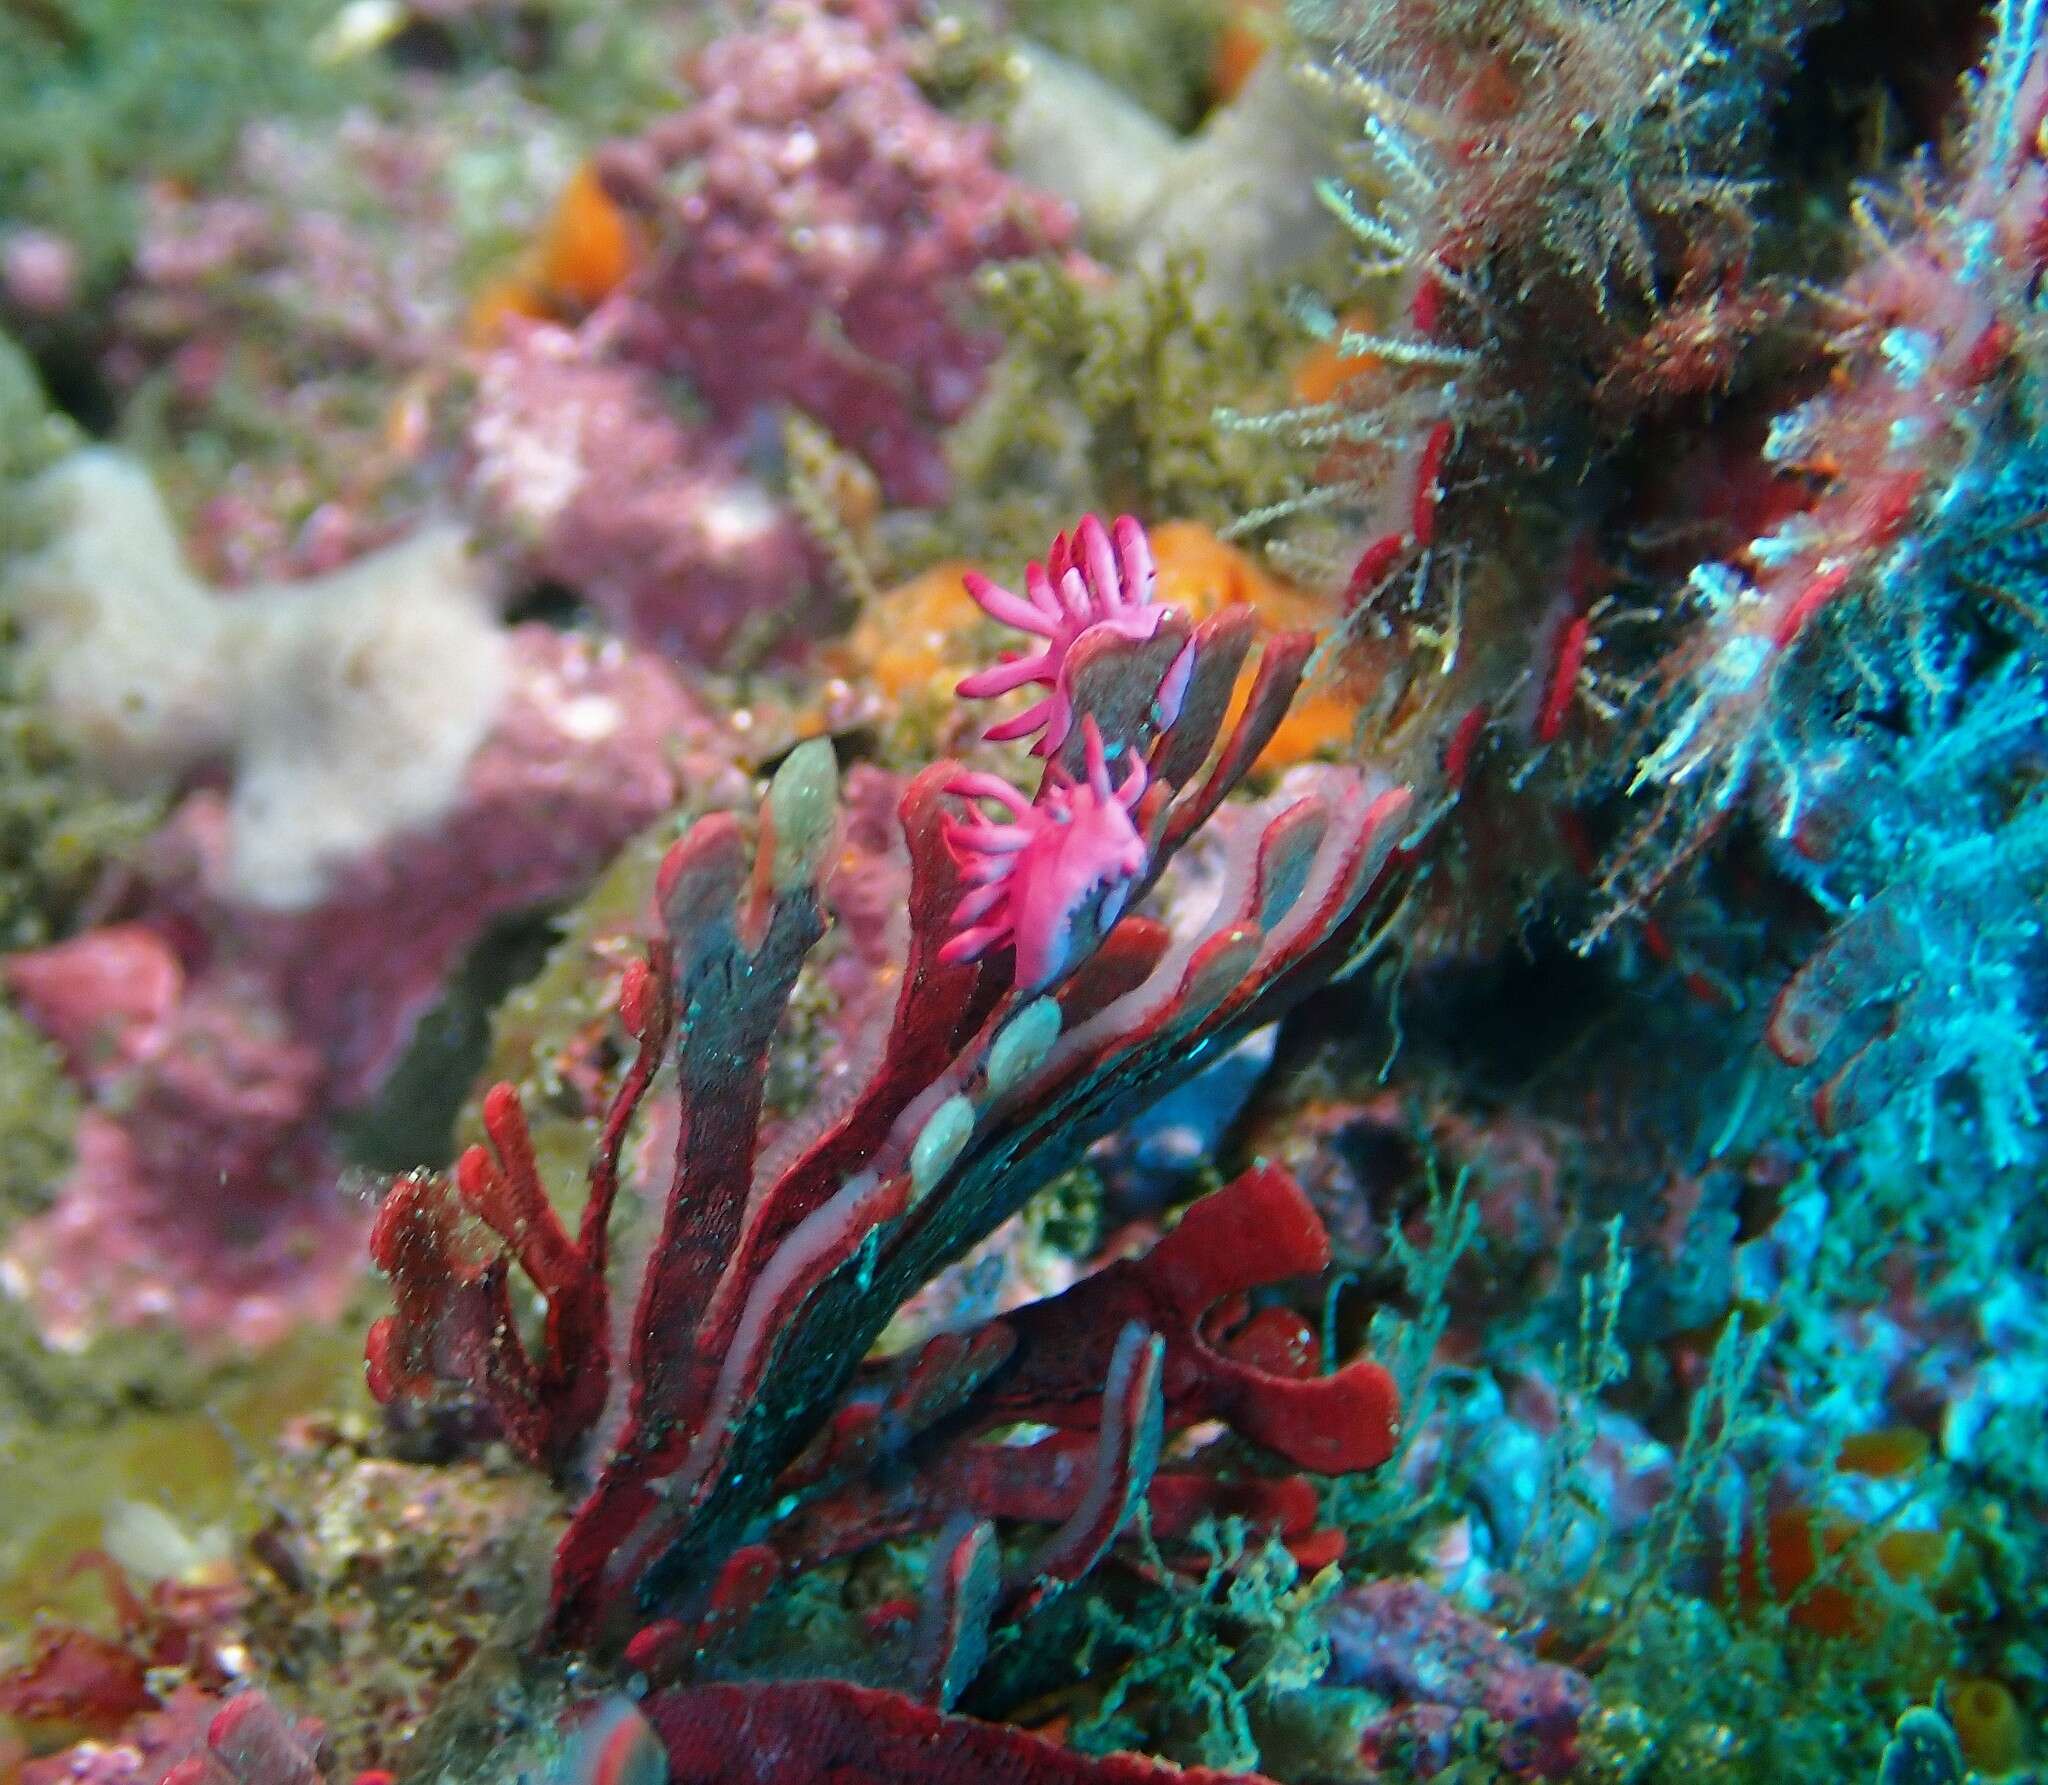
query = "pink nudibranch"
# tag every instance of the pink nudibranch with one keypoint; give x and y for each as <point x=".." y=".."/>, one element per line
<point x="1034" y="873"/>
<point x="1101" y="577"/>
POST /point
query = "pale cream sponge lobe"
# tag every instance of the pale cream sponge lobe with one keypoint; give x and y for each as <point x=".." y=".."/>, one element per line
<point x="348" y="706"/>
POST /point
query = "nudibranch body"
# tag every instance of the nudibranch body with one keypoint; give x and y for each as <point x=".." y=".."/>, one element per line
<point x="1033" y="873"/>
<point x="1099" y="577"/>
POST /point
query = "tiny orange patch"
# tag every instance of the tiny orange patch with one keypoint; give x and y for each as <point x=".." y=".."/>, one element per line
<point x="498" y="301"/>
<point x="1844" y="1604"/>
<point x="584" y="251"/>
<point x="1885" y="1454"/>
<point x="1922" y="1556"/>
<point x="1248" y="33"/>
<point x="1056" y="1729"/>
<point x="1325" y="370"/>
<point x="911" y="642"/>
<point x="915" y="642"/>
<point x="587" y="248"/>
<point x="1202" y="573"/>
<point x="1988" y="1725"/>
<point x="1798" y="1542"/>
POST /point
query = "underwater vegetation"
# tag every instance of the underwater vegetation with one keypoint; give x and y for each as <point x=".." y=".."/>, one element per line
<point x="969" y="891"/>
<point x="969" y="1089"/>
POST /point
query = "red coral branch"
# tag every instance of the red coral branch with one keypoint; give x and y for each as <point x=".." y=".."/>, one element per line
<point x="454" y="1319"/>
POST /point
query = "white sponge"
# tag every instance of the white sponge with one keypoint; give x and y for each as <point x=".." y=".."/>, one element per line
<point x="347" y="706"/>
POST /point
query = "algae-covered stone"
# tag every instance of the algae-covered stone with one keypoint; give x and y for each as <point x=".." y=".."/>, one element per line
<point x="1107" y="400"/>
<point x="383" y="1582"/>
<point x="37" y="1111"/>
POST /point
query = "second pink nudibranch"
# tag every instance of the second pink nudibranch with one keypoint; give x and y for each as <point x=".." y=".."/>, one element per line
<point x="1099" y="577"/>
<point x="1033" y="874"/>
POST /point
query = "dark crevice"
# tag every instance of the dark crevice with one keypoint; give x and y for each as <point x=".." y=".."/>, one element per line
<point x="1872" y="87"/>
<point x="411" y="1120"/>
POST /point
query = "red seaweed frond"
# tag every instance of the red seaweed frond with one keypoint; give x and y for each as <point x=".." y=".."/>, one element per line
<point x="454" y="1319"/>
<point x="1014" y="1042"/>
